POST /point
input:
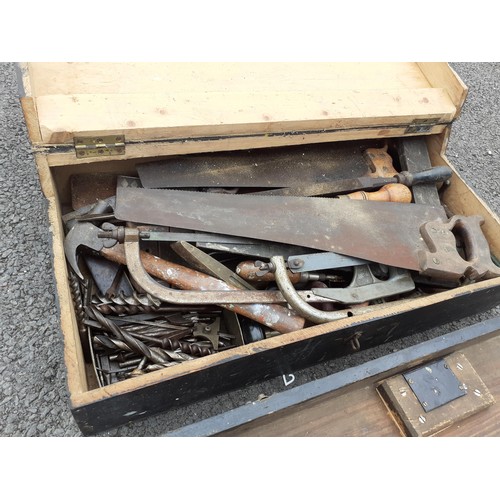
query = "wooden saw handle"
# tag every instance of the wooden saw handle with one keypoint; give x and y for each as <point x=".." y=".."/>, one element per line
<point x="380" y="162"/>
<point x="390" y="192"/>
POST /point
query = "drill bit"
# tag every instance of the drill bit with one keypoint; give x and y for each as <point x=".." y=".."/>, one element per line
<point x="155" y="355"/>
<point x="187" y="347"/>
<point x="126" y="304"/>
<point x="76" y="294"/>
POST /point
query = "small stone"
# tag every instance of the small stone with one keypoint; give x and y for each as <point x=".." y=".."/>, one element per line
<point x="31" y="431"/>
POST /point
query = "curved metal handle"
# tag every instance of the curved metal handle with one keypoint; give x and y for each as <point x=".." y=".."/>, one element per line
<point x="293" y="298"/>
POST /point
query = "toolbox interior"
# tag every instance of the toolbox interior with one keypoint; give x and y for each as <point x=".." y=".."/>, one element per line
<point x="83" y="384"/>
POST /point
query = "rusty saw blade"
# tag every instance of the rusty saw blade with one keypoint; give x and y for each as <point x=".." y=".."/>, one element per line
<point x="387" y="233"/>
<point x="265" y="168"/>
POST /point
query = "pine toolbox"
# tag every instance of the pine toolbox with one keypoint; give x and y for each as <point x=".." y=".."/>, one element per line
<point x="129" y="155"/>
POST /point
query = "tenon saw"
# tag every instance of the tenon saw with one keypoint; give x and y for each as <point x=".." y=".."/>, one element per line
<point x="405" y="235"/>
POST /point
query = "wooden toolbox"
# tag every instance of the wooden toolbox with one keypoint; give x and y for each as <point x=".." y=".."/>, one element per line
<point x="102" y="118"/>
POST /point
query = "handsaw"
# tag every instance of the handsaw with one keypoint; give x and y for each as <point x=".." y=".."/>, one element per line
<point x="265" y="168"/>
<point x="405" y="235"/>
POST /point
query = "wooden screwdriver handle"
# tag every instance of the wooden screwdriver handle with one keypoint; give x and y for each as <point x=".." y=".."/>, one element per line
<point x="390" y="192"/>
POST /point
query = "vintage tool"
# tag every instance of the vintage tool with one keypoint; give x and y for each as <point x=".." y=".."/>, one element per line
<point x="403" y="235"/>
<point x="78" y="302"/>
<point x="190" y="282"/>
<point x="318" y="261"/>
<point x="101" y="209"/>
<point x="260" y="272"/>
<point x="306" y="310"/>
<point x="263" y="249"/>
<point x="363" y="287"/>
<point x="210" y="241"/>
<point x="153" y="354"/>
<point x="414" y="158"/>
<point x="158" y="234"/>
<point x="337" y="187"/>
<point x="380" y="162"/>
<point x="141" y="265"/>
<point x="125" y="304"/>
<point x="391" y="192"/>
<point x="108" y="277"/>
<point x="83" y="234"/>
<point x="277" y="167"/>
<point x="207" y="264"/>
<point x="209" y="332"/>
<point x="366" y="287"/>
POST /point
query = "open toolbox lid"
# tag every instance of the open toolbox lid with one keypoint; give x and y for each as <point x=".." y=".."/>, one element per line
<point x="80" y="112"/>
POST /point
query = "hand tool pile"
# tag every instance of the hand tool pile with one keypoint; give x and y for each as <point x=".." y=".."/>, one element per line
<point x="198" y="254"/>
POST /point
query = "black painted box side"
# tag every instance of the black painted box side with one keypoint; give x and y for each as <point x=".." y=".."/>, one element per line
<point x="240" y="371"/>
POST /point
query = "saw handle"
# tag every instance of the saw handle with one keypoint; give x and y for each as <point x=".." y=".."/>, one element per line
<point x="380" y="162"/>
<point x="390" y="192"/>
<point x="443" y="261"/>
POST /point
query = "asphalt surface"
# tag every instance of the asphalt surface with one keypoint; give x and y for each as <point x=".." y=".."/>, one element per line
<point x="34" y="400"/>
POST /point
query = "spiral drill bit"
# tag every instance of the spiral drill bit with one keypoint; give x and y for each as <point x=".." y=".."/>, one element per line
<point x="109" y="343"/>
<point x="76" y="294"/>
<point x="137" y="304"/>
<point x="154" y="355"/>
<point x="122" y="304"/>
<point x="186" y="347"/>
<point x="105" y="341"/>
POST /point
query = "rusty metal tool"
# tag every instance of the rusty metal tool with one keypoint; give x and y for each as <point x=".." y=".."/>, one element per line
<point x="342" y="186"/>
<point x="164" y="235"/>
<point x="155" y="355"/>
<point x="108" y="277"/>
<point x="266" y="167"/>
<point x="307" y="310"/>
<point x="261" y="249"/>
<point x="195" y="287"/>
<point x="366" y="287"/>
<point x="261" y="272"/>
<point x="319" y="261"/>
<point x="102" y="208"/>
<point x="207" y="264"/>
<point x="403" y="235"/>
<point x="209" y="332"/>
<point x="363" y="286"/>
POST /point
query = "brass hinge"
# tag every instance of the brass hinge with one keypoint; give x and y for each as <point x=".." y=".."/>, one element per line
<point x="110" y="145"/>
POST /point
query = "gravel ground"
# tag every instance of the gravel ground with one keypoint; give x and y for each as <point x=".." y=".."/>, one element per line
<point x="33" y="395"/>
